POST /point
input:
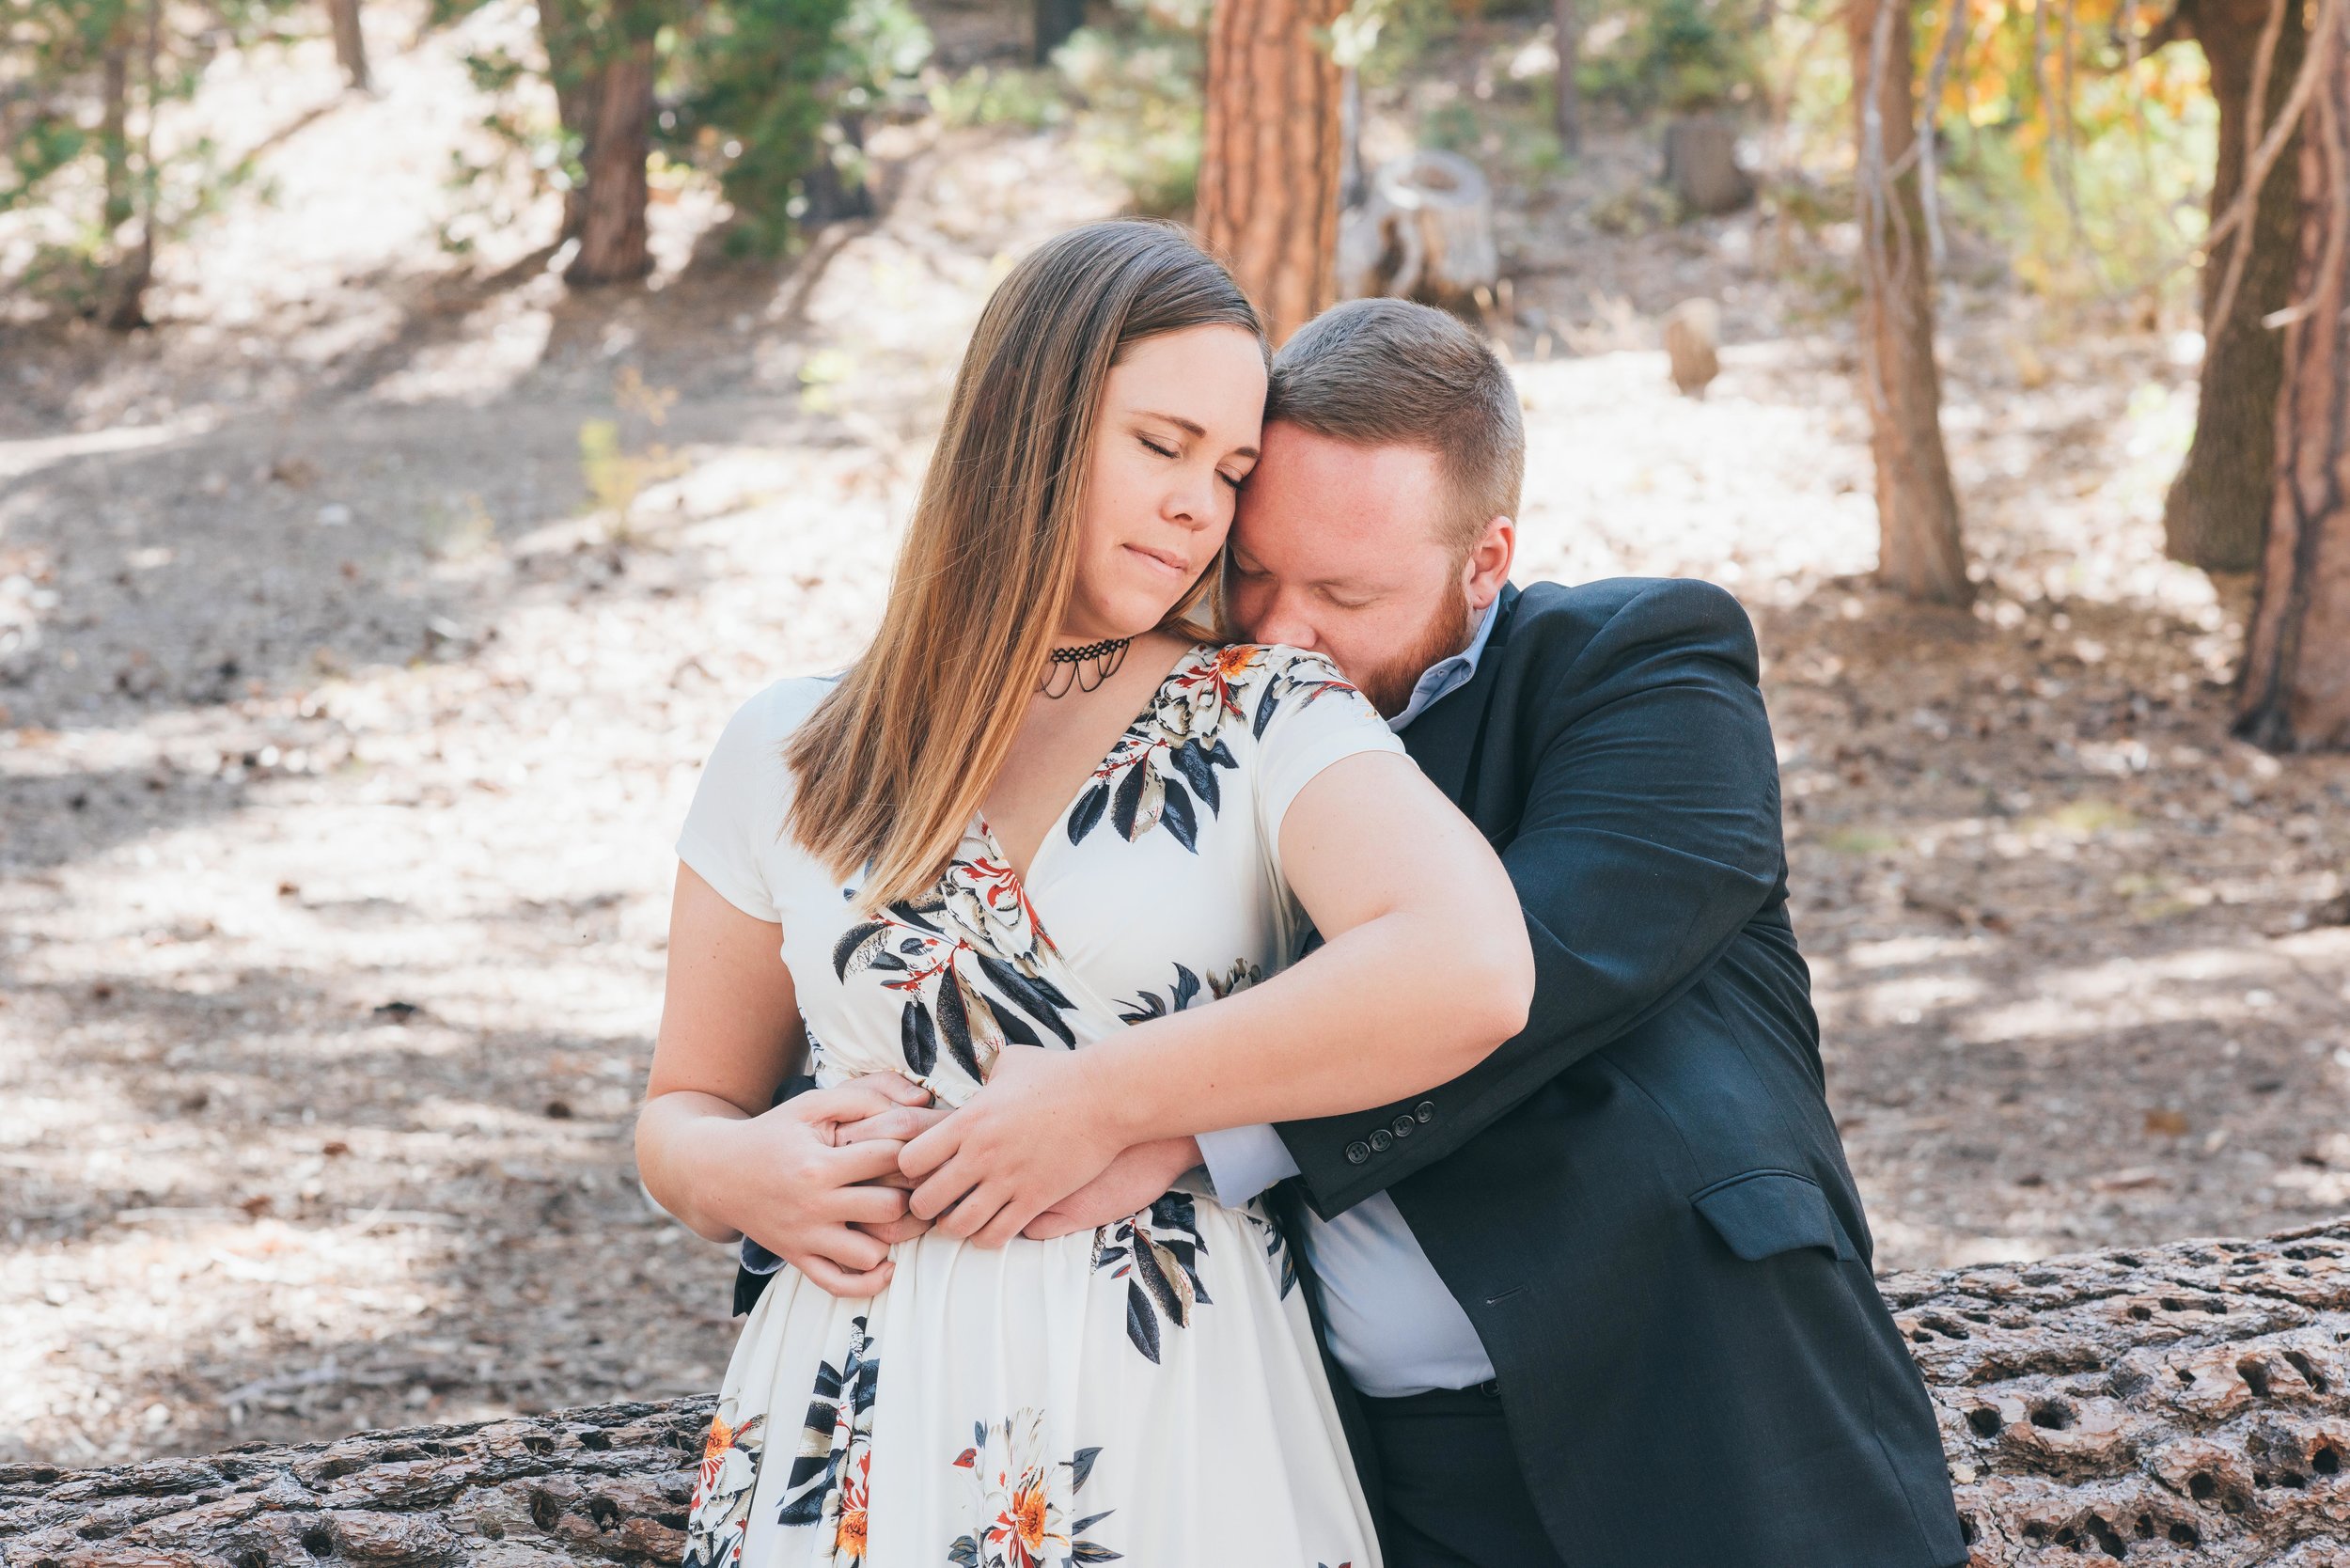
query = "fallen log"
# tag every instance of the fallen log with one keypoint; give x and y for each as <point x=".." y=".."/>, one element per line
<point x="2181" y="1406"/>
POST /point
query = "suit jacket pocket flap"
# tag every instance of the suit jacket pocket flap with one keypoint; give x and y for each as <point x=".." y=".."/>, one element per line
<point x="1767" y="1211"/>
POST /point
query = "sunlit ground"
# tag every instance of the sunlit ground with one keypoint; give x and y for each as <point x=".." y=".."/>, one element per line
<point x="346" y="737"/>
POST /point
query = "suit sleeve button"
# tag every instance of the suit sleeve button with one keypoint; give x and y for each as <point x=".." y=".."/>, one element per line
<point x="1405" y="1126"/>
<point x="1381" y="1142"/>
<point x="1425" y="1111"/>
<point x="1357" y="1151"/>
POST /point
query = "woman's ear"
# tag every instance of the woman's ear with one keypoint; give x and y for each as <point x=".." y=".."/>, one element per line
<point x="1487" y="565"/>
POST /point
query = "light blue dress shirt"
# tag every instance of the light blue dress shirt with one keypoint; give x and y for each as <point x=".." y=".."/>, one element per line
<point x="1391" y="1322"/>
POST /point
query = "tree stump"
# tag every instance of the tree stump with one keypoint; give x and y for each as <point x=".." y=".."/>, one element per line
<point x="1701" y="164"/>
<point x="2182" y="1406"/>
<point x="1424" y="231"/>
<point x="1693" y="334"/>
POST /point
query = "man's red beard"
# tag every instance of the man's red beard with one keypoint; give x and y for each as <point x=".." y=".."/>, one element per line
<point x="1389" y="685"/>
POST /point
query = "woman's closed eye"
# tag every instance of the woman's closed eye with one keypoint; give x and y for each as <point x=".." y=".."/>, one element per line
<point x="1163" y="452"/>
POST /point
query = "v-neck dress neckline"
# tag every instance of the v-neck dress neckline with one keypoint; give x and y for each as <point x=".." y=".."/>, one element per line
<point x="1059" y="827"/>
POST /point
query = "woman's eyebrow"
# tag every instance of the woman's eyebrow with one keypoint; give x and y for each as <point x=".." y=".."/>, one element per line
<point x="1196" y="431"/>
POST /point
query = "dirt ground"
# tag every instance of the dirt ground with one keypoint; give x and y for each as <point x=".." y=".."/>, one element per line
<point x="352" y="703"/>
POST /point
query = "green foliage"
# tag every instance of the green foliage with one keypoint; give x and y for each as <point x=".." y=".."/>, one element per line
<point x="1018" y="97"/>
<point x="771" y="95"/>
<point x="1680" y="55"/>
<point x="110" y="189"/>
<point x="1138" y="86"/>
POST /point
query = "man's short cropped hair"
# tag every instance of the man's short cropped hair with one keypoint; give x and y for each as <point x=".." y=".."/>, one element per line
<point x="1390" y="373"/>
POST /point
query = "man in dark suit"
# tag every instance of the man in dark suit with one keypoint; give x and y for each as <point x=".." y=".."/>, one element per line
<point x="1605" y="1301"/>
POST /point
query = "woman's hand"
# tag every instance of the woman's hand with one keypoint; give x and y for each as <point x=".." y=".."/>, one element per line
<point x="807" y="1193"/>
<point x="1032" y="1136"/>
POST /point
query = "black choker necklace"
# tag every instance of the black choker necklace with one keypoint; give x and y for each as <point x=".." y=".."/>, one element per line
<point x="1083" y="667"/>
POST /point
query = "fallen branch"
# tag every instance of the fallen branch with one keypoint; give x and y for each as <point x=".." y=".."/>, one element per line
<point x="2182" y="1406"/>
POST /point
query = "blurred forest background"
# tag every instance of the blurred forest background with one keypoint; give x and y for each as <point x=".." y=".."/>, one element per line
<point x="423" y="421"/>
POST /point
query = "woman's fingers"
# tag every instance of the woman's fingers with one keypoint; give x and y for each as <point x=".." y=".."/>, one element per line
<point x="942" y="1189"/>
<point x="931" y="1149"/>
<point x="849" y="1102"/>
<point x="849" y="1248"/>
<point x="849" y="1164"/>
<point x="903" y="1229"/>
<point x="900" y="1124"/>
<point x="850" y="1285"/>
<point x="904" y="1091"/>
<point x="869" y="1205"/>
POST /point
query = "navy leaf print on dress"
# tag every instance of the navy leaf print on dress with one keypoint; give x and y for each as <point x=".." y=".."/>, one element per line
<point x="1157" y="1253"/>
<point x="917" y="1037"/>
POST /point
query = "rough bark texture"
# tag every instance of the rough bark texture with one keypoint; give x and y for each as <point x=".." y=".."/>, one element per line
<point x="2293" y="693"/>
<point x="2182" y="1406"/>
<point x="1919" y="553"/>
<point x="612" y="238"/>
<point x="351" y="44"/>
<point x="1269" y="154"/>
<point x="570" y="42"/>
<point x="2218" y="507"/>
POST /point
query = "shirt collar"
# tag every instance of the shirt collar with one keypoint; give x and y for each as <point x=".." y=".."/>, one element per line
<point x="1446" y="675"/>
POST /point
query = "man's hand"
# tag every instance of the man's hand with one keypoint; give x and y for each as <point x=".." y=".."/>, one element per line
<point x="806" y="1192"/>
<point x="1028" y="1139"/>
<point x="1136" y="1179"/>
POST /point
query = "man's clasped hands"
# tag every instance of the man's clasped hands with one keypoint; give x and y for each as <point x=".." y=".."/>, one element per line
<point x="836" y="1177"/>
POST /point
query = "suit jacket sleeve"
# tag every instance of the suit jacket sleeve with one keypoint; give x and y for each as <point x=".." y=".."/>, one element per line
<point x="1650" y="836"/>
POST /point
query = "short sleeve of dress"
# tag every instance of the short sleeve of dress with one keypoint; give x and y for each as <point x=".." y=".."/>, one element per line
<point x="1308" y="717"/>
<point x="735" y="823"/>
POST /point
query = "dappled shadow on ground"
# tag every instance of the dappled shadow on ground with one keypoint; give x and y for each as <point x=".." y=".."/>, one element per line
<point x="342" y="778"/>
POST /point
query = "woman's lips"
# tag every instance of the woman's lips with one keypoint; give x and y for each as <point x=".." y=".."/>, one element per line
<point x="1174" y="566"/>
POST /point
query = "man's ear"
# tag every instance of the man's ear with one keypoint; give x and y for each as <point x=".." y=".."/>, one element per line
<point x="1487" y="566"/>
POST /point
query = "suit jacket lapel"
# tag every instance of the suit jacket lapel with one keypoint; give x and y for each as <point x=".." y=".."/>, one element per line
<point x="1443" y="740"/>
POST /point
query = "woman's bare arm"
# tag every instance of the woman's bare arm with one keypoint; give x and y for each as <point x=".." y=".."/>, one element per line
<point x="710" y="1150"/>
<point x="1425" y="967"/>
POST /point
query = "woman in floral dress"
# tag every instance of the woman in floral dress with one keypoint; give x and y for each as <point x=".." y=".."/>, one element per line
<point x="1048" y="837"/>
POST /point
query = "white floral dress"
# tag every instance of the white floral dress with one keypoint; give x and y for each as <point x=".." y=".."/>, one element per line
<point x="1148" y="1393"/>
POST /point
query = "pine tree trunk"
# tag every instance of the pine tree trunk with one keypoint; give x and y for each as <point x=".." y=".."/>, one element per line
<point x="351" y="44"/>
<point x="113" y="142"/>
<point x="1567" y="104"/>
<point x="1269" y="157"/>
<point x="1918" y="552"/>
<point x="569" y="43"/>
<point x="2217" y="508"/>
<point x="1055" y="20"/>
<point x="124" y="306"/>
<point x="612" y="239"/>
<point x="2293" y="693"/>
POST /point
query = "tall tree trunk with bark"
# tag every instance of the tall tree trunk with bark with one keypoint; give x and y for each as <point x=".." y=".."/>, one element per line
<point x="124" y="306"/>
<point x="1918" y="552"/>
<point x="2293" y="694"/>
<point x="351" y="44"/>
<point x="2218" y="505"/>
<point x="1269" y="158"/>
<point x="565" y="33"/>
<point x="1566" y="106"/>
<point x="612" y="240"/>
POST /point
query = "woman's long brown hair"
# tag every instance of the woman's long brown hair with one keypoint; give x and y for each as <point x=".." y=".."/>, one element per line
<point x="895" y="761"/>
